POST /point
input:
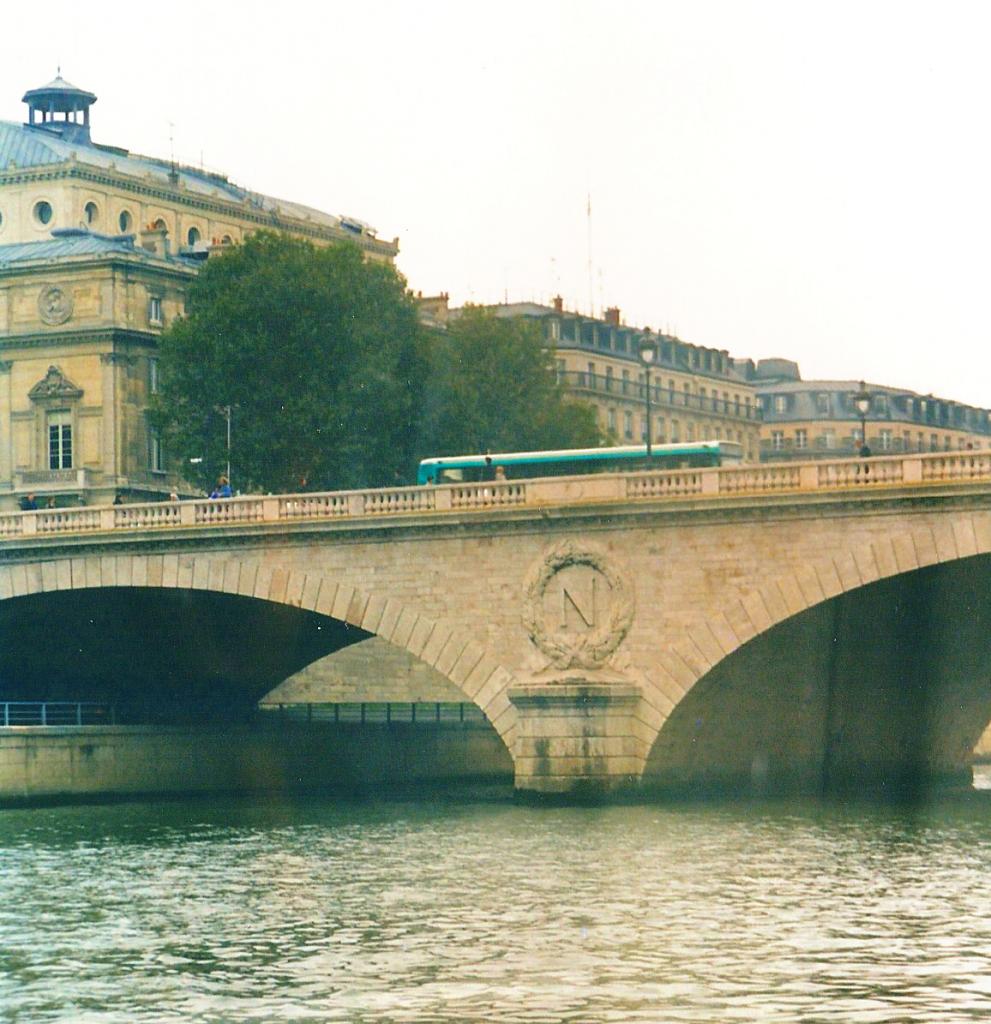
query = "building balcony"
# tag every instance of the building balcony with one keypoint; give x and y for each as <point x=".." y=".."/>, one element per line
<point x="603" y="386"/>
<point x="45" y="481"/>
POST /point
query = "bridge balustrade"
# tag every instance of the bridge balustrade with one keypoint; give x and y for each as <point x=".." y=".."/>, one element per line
<point x="736" y="481"/>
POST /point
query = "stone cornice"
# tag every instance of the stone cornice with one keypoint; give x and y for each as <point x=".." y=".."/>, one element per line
<point x="183" y="197"/>
<point x="63" y="339"/>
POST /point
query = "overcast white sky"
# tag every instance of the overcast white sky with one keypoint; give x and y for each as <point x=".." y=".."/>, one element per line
<point x="809" y="180"/>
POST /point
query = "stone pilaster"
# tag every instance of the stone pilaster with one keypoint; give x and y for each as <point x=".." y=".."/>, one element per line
<point x="7" y="444"/>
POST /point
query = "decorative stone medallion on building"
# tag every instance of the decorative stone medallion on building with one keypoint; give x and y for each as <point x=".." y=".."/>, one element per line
<point x="577" y="608"/>
<point x="54" y="304"/>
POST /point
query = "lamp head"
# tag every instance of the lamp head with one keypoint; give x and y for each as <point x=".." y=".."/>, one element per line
<point x="862" y="400"/>
<point x="648" y="347"/>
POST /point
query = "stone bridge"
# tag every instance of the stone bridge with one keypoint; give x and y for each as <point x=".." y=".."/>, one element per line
<point x="805" y="626"/>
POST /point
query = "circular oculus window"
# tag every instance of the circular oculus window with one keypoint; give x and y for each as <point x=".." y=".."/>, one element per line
<point x="43" y="212"/>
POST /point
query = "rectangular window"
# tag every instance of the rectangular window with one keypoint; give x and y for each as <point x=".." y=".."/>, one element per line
<point x="777" y="440"/>
<point x="801" y="438"/>
<point x="155" y="463"/>
<point x="611" y="420"/>
<point x="675" y="432"/>
<point x="628" y="425"/>
<point x="885" y="440"/>
<point x="60" y="439"/>
<point x="153" y="376"/>
<point x="626" y="382"/>
<point x="822" y="404"/>
<point x="608" y="378"/>
<point x="554" y="330"/>
<point x="660" y="428"/>
<point x="829" y="440"/>
<point x="780" y="403"/>
<point x="155" y="310"/>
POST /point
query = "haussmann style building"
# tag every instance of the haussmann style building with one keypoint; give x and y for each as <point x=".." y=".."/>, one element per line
<point x="97" y="249"/>
<point x="818" y="419"/>
<point x="697" y="393"/>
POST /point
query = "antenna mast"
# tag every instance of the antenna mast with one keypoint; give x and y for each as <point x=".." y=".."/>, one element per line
<point x="588" y="215"/>
<point x="173" y="171"/>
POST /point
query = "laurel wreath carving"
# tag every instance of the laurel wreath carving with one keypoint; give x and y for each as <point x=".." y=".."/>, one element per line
<point x="589" y="650"/>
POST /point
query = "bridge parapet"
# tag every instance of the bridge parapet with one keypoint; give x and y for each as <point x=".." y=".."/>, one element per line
<point x="861" y="475"/>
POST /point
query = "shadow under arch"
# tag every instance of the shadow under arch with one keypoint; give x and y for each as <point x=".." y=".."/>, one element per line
<point x="883" y="687"/>
<point x="238" y="626"/>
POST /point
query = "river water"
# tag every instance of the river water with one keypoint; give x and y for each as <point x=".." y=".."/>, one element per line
<point x="461" y="911"/>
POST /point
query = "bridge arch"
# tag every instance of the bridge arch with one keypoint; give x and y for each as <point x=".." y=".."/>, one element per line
<point x="456" y="655"/>
<point x="794" y="596"/>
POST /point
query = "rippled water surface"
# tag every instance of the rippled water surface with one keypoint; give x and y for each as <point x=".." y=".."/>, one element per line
<point x="450" y="911"/>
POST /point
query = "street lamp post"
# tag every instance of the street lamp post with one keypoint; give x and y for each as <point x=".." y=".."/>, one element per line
<point x="862" y="403"/>
<point x="648" y="353"/>
<point x="227" y="412"/>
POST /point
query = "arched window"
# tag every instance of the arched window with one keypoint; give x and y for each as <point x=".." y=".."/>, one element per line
<point x="192" y="236"/>
<point x="160" y="225"/>
<point x="227" y="240"/>
<point x="90" y="213"/>
<point x="125" y="221"/>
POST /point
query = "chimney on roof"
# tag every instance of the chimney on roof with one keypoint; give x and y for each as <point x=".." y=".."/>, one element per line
<point x="558" y="303"/>
<point x="612" y="316"/>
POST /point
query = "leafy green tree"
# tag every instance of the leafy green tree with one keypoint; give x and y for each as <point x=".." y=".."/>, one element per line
<point x="317" y="352"/>
<point x="494" y="388"/>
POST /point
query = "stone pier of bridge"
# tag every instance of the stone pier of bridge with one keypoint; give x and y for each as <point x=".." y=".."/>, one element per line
<point x="806" y="627"/>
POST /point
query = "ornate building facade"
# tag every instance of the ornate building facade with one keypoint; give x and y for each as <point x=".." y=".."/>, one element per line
<point x="97" y="248"/>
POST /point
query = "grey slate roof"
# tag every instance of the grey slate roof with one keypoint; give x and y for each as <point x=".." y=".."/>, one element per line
<point x="26" y="146"/>
<point x="71" y="242"/>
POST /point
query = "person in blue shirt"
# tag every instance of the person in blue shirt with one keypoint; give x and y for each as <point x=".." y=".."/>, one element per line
<point x="223" y="489"/>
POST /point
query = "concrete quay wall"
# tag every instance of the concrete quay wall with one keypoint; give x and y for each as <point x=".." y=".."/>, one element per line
<point x="70" y="762"/>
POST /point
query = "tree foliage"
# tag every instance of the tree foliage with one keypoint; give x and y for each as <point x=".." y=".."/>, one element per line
<point x="317" y="352"/>
<point x="493" y="387"/>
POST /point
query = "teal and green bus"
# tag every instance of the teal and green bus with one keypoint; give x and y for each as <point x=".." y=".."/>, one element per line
<point x="576" y="461"/>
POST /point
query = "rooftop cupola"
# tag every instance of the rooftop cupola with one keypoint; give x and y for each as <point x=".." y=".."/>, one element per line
<point x="61" y="108"/>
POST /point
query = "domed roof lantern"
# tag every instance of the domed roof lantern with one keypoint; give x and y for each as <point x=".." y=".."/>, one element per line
<point x="60" y="97"/>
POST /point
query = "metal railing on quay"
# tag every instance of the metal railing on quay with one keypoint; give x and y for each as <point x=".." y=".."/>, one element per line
<point x="79" y="713"/>
<point x="23" y="712"/>
<point x="422" y="712"/>
<point x="752" y="480"/>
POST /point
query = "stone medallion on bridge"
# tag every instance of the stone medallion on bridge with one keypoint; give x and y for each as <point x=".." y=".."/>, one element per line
<point x="577" y="607"/>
